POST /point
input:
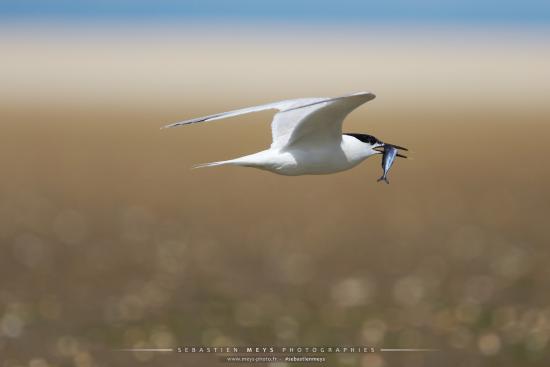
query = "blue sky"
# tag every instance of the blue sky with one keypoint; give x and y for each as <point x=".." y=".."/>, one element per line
<point x="440" y="11"/>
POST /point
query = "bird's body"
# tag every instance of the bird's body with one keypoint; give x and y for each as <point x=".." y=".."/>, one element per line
<point x="307" y="137"/>
<point x="305" y="159"/>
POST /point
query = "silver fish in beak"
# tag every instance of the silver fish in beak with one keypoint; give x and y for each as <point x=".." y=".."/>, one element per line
<point x="390" y="152"/>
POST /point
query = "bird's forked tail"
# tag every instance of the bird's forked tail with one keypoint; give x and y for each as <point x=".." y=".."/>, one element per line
<point x="211" y="164"/>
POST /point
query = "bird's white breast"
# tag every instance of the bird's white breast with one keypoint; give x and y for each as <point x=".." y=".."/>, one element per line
<point x="313" y="159"/>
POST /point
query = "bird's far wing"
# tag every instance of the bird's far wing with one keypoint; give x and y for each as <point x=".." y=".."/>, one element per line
<point x="281" y="106"/>
<point x="316" y="120"/>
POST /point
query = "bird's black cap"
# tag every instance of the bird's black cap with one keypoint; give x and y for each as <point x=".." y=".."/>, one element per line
<point x="369" y="139"/>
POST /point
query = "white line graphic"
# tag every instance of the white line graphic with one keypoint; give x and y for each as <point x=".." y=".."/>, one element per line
<point x="407" y="350"/>
<point x="145" y="350"/>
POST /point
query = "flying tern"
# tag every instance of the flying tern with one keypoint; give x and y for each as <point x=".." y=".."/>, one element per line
<point x="307" y="137"/>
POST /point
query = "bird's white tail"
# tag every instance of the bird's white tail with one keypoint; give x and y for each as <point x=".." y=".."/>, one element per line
<point x="212" y="164"/>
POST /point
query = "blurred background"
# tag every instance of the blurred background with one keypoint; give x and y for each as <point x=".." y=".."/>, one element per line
<point x="109" y="240"/>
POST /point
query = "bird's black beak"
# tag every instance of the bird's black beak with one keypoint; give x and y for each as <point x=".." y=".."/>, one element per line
<point x="398" y="147"/>
<point x="381" y="149"/>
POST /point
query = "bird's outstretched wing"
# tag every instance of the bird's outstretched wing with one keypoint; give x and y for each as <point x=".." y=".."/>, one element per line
<point x="281" y="106"/>
<point x="318" y="122"/>
<point x="314" y="118"/>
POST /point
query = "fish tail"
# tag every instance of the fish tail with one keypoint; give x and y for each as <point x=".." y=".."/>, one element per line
<point x="383" y="178"/>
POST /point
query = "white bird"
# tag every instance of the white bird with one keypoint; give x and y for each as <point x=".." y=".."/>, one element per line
<point x="307" y="137"/>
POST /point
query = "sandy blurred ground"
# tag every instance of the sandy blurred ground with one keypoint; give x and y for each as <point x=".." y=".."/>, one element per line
<point x="109" y="240"/>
